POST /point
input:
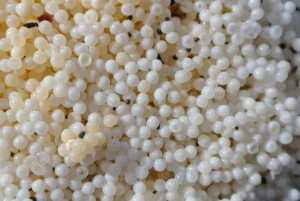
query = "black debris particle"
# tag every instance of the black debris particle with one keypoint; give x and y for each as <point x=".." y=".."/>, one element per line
<point x="201" y="76"/>
<point x="263" y="180"/>
<point x="81" y="134"/>
<point x="167" y="18"/>
<point x="114" y="108"/>
<point x="158" y="127"/>
<point x="226" y="42"/>
<point x="129" y="34"/>
<point x="175" y="57"/>
<point x="293" y="50"/>
<point x="172" y="2"/>
<point x="236" y="128"/>
<point x="188" y="49"/>
<point x="297" y="8"/>
<point x="66" y="116"/>
<point x="159" y="57"/>
<point x="197" y="144"/>
<point x="196" y="39"/>
<point x="159" y="31"/>
<point x="129" y="17"/>
<point x="12" y="154"/>
<point x="282" y="45"/>
<point x="127" y="101"/>
<point x="31" y="24"/>
<point x="35" y="133"/>
<point x="33" y="198"/>
<point x="53" y="169"/>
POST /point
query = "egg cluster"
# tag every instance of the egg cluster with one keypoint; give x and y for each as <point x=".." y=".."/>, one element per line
<point x="146" y="100"/>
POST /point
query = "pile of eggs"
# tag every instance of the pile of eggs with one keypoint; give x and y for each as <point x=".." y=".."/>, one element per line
<point x="144" y="100"/>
